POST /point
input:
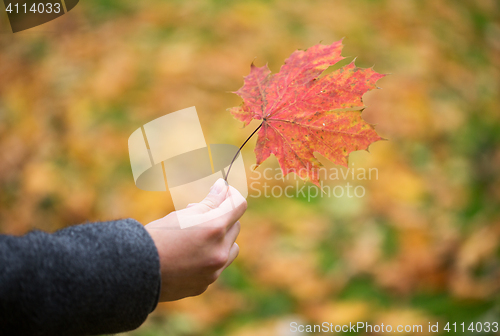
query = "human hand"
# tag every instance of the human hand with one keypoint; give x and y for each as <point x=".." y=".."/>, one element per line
<point x="193" y="258"/>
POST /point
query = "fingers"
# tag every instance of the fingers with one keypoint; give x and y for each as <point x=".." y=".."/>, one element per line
<point x="233" y="233"/>
<point x="234" y="249"/>
<point x="233" y="253"/>
<point x="217" y="194"/>
<point x="232" y="208"/>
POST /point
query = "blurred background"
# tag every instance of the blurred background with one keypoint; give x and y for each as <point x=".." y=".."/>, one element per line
<point x="421" y="246"/>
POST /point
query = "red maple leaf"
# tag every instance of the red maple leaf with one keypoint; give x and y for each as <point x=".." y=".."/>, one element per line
<point x="302" y="114"/>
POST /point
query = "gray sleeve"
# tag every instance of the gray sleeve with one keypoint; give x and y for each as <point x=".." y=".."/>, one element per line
<point x="88" y="279"/>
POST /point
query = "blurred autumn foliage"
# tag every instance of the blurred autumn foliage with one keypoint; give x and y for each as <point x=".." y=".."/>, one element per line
<point x="421" y="246"/>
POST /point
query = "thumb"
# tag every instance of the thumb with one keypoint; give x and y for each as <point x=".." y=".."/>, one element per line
<point x="214" y="198"/>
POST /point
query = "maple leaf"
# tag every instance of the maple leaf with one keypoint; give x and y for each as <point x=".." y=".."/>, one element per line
<point x="302" y="113"/>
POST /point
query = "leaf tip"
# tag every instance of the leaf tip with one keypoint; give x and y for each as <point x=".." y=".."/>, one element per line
<point x="252" y="65"/>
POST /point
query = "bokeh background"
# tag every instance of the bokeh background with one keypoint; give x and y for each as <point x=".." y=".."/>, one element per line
<point x="421" y="246"/>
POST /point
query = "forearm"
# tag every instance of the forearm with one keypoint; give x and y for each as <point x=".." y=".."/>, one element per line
<point x="88" y="279"/>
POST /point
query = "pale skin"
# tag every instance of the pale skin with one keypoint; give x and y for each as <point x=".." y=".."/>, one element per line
<point x="193" y="258"/>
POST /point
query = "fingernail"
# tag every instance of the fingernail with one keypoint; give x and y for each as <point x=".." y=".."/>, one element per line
<point x="217" y="187"/>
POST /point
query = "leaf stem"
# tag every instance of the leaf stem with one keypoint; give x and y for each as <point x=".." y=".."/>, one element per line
<point x="239" y="150"/>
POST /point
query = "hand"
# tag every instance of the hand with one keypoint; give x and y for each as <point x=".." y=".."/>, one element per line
<point x="193" y="258"/>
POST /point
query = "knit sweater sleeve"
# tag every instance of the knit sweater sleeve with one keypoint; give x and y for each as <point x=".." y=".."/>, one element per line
<point x="89" y="279"/>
